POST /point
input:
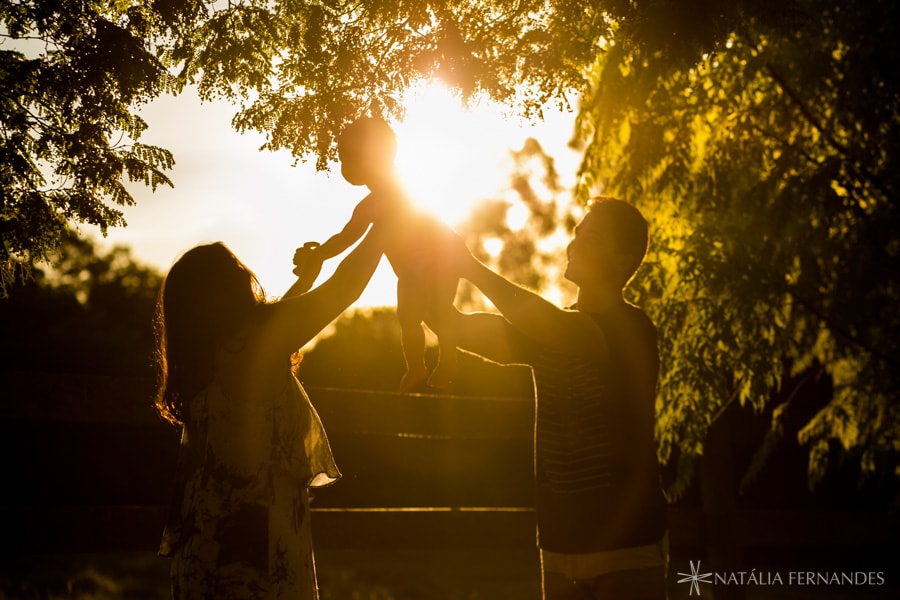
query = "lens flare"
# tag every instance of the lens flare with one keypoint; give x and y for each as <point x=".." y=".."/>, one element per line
<point x="452" y="156"/>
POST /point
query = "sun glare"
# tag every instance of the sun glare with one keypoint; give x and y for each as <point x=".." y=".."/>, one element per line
<point x="451" y="156"/>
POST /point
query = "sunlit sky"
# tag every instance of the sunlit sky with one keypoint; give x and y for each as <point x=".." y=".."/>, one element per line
<point x="263" y="206"/>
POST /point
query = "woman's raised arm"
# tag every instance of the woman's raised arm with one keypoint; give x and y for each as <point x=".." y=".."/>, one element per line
<point x="294" y="321"/>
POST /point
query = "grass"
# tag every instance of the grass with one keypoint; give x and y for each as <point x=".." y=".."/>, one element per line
<point x="423" y="574"/>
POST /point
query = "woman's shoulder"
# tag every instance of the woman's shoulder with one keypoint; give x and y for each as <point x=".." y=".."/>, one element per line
<point x="249" y="370"/>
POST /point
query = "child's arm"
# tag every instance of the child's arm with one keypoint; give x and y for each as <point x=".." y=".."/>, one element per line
<point x="292" y="322"/>
<point x="359" y="222"/>
<point x="309" y="258"/>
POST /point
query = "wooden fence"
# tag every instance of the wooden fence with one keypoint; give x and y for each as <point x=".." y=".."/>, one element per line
<point x="87" y="467"/>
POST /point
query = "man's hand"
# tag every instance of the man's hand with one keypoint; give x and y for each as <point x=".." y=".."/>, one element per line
<point x="456" y="257"/>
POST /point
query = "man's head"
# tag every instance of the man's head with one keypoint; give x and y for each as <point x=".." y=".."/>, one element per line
<point x="367" y="148"/>
<point x="609" y="244"/>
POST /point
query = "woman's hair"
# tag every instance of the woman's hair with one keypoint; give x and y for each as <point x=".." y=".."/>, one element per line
<point x="206" y="297"/>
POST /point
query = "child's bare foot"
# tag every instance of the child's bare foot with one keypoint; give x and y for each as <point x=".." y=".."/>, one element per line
<point x="443" y="373"/>
<point x="413" y="377"/>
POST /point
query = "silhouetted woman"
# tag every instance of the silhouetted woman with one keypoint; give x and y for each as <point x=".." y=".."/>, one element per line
<point x="251" y="441"/>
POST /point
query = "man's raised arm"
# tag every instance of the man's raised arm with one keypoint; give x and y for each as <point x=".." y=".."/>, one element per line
<point x="535" y="317"/>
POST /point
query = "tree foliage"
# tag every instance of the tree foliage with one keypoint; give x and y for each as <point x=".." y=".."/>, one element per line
<point x="768" y="167"/>
<point x="71" y="75"/>
<point x="522" y="230"/>
<point x="312" y="66"/>
<point x="759" y="137"/>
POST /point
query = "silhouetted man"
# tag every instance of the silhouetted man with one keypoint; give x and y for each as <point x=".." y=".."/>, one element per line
<point x="600" y="507"/>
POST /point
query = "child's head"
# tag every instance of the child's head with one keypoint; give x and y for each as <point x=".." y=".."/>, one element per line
<point x="367" y="148"/>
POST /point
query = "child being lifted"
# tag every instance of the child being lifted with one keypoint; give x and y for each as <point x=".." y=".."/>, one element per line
<point x="415" y="244"/>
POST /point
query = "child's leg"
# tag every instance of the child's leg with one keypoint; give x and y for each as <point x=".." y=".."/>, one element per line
<point x="409" y="313"/>
<point x="442" y="304"/>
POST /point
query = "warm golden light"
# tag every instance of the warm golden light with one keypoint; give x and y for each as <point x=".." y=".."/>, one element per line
<point x="517" y="216"/>
<point x="493" y="246"/>
<point x="450" y="156"/>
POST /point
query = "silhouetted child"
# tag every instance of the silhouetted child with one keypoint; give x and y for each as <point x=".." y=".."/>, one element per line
<point x="414" y="247"/>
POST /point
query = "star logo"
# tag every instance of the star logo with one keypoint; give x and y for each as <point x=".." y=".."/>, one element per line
<point x="695" y="577"/>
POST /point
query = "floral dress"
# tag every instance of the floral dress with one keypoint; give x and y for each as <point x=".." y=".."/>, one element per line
<point x="239" y="526"/>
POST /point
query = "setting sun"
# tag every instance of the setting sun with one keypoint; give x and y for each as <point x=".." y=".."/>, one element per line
<point x="451" y="156"/>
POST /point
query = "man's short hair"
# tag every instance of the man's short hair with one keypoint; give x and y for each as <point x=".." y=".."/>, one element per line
<point x="629" y="229"/>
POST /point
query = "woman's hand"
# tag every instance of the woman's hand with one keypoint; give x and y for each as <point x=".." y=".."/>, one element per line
<point x="301" y="314"/>
<point x="304" y="255"/>
<point x="308" y="264"/>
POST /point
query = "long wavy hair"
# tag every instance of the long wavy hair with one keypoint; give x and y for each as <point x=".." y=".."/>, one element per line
<point x="205" y="299"/>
